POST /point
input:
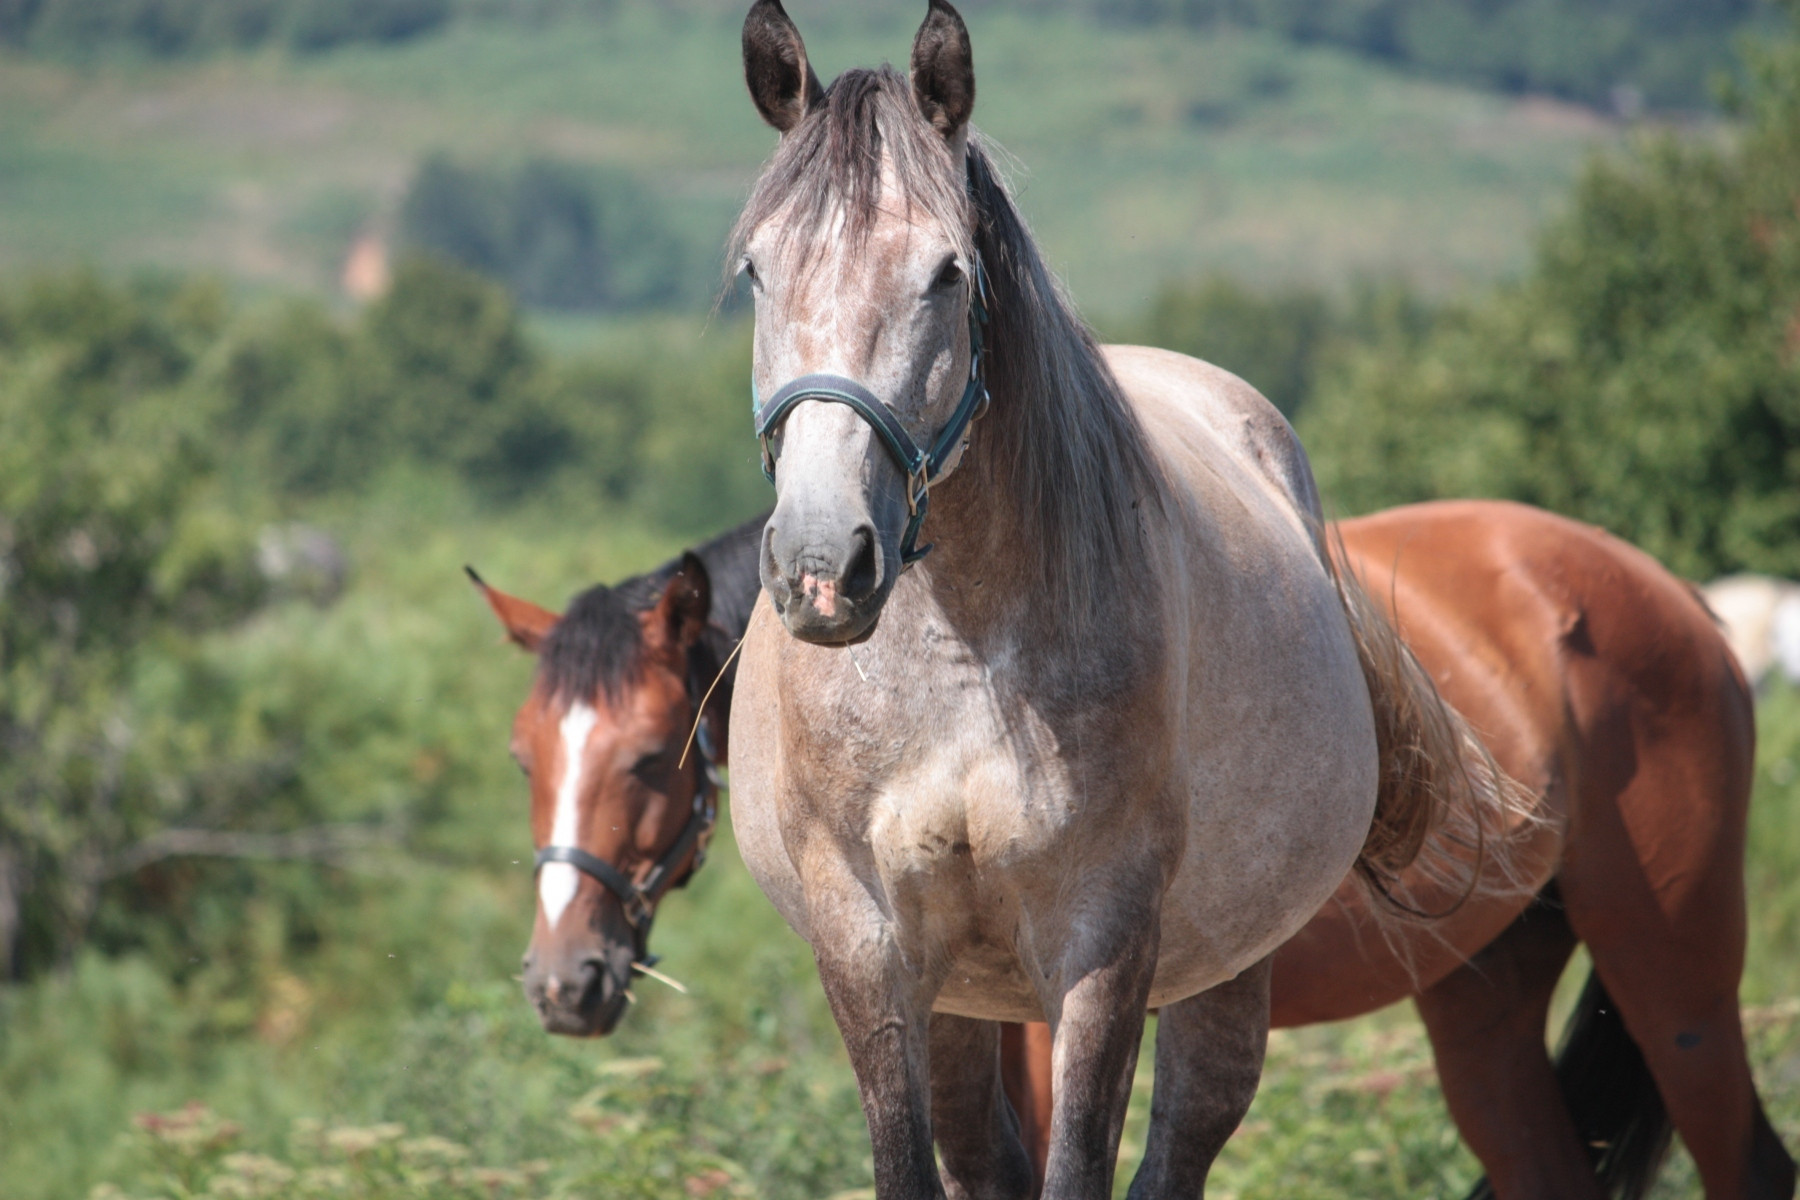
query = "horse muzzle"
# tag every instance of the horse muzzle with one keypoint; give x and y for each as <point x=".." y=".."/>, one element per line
<point x="827" y="585"/>
<point x="578" y="995"/>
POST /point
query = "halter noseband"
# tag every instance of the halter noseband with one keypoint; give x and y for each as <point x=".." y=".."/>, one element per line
<point x="639" y="900"/>
<point x="920" y="467"/>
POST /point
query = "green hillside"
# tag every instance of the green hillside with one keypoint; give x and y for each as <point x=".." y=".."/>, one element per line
<point x="1142" y="153"/>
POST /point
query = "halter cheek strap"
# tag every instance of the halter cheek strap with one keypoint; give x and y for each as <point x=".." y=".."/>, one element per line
<point x="920" y="467"/>
<point x="639" y="900"/>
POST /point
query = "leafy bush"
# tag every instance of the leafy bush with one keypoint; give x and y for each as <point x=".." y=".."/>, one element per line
<point x="112" y="552"/>
<point x="440" y="375"/>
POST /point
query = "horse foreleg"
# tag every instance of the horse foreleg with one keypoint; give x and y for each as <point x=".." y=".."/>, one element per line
<point x="977" y="1131"/>
<point x="1097" y="1026"/>
<point x="1209" y="1058"/>
<point x="883" y="1014"/>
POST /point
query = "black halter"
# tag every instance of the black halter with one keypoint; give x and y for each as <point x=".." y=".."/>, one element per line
<point x="639" y="899"/>
<point x="920" y="466"/>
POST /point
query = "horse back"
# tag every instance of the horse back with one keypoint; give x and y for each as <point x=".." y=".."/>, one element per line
<point x="1242" y="420"/>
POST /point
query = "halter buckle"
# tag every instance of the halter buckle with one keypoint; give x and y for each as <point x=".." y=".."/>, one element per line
<point x="918" y="489"/>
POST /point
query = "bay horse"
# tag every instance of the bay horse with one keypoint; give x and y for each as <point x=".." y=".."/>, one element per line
<point x="1605" y="688"/>
<point x="621" y="806"/>
<point x="1111" y="744"/>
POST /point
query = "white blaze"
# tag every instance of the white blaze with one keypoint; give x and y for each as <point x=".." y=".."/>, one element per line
<point x="557" y="882"/>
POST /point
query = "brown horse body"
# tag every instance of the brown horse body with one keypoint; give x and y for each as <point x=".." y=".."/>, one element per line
<point x="1600" y="682"/>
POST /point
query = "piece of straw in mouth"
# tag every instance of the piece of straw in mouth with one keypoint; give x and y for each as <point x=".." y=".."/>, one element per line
<point x="701" y="710"/>
<point x="657" y="975"/>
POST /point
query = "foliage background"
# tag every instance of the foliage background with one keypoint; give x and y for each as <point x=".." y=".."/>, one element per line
<point x="260" y="845"/>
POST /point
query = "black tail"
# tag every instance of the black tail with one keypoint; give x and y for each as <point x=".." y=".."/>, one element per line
<point x="1607" y="1085"/>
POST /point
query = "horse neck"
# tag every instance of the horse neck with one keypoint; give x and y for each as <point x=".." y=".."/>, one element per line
<point x="1044" y="509"/>
<point x="981" y="564"/>
<point x="731" y="561"/>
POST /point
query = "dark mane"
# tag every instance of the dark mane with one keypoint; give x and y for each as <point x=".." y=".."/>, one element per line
<point x="1060" y="441"/>
<point x="596" y="647"/>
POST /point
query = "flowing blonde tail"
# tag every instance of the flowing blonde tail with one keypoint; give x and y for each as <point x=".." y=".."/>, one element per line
<point x="1440" y="788"/>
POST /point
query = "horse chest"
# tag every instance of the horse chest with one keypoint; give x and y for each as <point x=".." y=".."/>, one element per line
<point x="932" y="760"/>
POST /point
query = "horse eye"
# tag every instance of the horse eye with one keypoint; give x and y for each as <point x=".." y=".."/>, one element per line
<point x="650" y="767"/>
<point x="747" y="269"/>
<point x="948" y="276"/>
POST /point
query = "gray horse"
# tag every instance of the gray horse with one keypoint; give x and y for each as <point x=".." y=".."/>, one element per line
<point x="1108" y="744"/>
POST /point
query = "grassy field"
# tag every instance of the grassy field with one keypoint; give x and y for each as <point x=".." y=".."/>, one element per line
<point x="395" y="1054"/>
<point x="1142" y="154"/>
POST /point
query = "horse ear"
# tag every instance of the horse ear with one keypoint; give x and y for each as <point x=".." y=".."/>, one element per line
<point x="526" y="624"/>
<point x="782" y="83"/>
<point x="943" y="70"/>
<point x="686" y="603"/>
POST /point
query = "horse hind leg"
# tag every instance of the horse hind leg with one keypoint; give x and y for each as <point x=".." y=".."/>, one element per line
<point x="1674" y="978"/>
<point x="1209" y="1057"/>
<point x="1486" y="1023"/>
<point x="1025" y="1071"/>
<point x="977" y="1130"/>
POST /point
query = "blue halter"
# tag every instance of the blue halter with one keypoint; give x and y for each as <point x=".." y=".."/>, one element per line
<point x="921" y="467"/>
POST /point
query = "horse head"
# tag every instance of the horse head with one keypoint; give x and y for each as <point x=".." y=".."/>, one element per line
<point x="620" y="807"/>
<point x="867" y="287"/>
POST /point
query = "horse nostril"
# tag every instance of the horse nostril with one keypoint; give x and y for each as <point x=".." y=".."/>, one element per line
<point x="862" y="574"/>
<point x="774" y="576"/>
<point x="593" y="980"/>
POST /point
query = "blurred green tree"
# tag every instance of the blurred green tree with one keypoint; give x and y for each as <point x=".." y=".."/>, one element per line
<point x="1642" y="377"/>
<point x="437" y="373"/>
<point x="109" y="551"/>
<point x="1273" y="340"/>
<point x="558" y="236"/>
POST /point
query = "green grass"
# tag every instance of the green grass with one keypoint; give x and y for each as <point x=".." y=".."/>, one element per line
<point x="1142" y="154"/>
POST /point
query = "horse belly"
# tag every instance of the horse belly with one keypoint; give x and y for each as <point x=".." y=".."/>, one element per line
<point x="1254" y="874"/>
<point x="1280" y="764"/>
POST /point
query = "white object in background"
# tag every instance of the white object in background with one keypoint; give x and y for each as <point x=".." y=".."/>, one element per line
<point x="1760" y="616"/>
<point x="1785" y="636"/>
